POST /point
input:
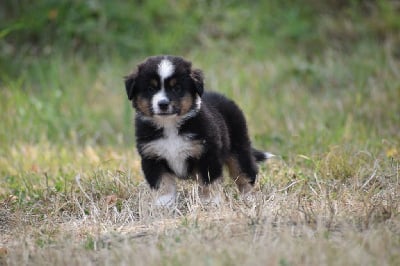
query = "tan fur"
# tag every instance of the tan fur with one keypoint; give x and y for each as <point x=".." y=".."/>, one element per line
<point x="241" y="180"/>
<point x="210" y="193"/>
<point x="186" y="103"/>
<point x="167" y="184"/>
<point x="172" y="82"/>
<point x="166" y="194"/>
<point x="143" y="105"/>
<point x="154" y="83"/>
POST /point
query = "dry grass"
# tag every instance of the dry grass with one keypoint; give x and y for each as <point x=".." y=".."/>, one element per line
<point x="106" y="217"/>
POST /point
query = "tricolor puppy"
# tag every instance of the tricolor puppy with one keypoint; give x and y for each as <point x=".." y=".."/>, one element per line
<point x="184" y="132"/>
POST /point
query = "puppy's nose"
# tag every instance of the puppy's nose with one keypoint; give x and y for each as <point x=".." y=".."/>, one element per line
<point x="163" y="104"/>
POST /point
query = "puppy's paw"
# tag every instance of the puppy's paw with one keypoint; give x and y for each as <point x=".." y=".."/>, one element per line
<point x="166" y="193"/>
<point x="214" y="199"/>
<point x="210" y="194"/>
<point x="249" y="198"/>
<point x="245" y="188"/>
<point x="247" y="194"/>
<point x="166" y="200"/>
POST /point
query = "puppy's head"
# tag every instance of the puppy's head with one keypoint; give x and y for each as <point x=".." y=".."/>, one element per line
<point x="165" y="86"/>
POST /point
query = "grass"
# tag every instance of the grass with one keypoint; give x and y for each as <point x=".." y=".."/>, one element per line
<point x="324" y="100"/>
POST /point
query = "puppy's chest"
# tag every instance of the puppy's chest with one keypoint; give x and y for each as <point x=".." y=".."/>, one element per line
<point x="175" y="148"/>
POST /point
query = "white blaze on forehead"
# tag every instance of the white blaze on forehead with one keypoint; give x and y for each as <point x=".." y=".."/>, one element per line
<point x="165" y="69"/>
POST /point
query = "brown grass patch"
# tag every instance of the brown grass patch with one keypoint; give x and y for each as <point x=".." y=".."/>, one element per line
<point x="309" y="222"/>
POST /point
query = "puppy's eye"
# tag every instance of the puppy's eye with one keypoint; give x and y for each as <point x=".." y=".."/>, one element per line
<point x="176" y="89"/>
<point x="152" y="89"/>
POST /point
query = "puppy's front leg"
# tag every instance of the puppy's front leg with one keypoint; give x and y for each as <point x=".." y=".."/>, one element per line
<point x="161" y="181"/>
<point x="166" y="193"/>
<point x="210" y="170"/>
<point x="210" y="193"/>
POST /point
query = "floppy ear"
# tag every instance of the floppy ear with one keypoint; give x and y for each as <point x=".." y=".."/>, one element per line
<point x="197" y="77"/>
<point x="130" y="85"/>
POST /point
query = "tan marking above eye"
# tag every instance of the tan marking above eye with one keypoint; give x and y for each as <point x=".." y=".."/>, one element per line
<point x="172" y="82"/>
<point x="154" y="82"/>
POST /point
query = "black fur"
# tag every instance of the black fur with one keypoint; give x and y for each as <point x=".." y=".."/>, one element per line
<point x="211" y="134"/>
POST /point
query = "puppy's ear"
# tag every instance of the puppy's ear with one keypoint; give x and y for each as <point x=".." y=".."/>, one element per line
<point x="197" y="77"/>
<point x="130" y="85"/>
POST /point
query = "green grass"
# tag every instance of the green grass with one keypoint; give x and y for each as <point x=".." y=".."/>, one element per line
<point x="318" y="84"/>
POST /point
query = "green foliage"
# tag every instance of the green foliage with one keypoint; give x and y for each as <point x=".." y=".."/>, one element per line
<point x="132" y="28"/>
<point x="97" y="28"/>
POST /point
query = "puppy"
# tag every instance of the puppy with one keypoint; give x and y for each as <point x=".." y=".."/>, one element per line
<point x="184" y="132"/>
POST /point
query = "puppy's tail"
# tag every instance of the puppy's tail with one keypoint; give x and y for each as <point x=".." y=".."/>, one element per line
<point x="261" y="156"/>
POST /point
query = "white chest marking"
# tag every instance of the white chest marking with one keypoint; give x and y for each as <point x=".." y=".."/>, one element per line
<point x="175" y="149"/>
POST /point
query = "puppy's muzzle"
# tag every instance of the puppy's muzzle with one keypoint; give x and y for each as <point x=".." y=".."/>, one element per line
<point x="163" y="105"/>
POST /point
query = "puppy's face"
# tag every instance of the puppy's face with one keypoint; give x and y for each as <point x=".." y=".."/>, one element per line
<point x="164" y="86"/>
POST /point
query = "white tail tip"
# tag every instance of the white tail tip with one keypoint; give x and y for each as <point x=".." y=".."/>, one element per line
<point x="268" y="155"/>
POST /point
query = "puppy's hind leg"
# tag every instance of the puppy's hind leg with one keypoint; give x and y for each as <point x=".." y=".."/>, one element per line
<point x="243" y="171"/>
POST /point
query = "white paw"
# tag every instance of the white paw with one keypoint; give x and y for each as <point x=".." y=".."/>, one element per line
<point x="167" y="200"/>
<point x="215" y="200"/>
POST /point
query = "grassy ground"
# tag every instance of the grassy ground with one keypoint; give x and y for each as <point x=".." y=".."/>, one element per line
<point x="326" y="101"/>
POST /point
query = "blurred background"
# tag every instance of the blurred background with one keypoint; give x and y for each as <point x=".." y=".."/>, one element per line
<point x="308" y="74"/>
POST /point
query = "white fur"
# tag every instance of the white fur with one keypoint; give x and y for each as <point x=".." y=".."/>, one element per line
<point x="174" y="148"/>
<point x="268" y="155"/>
<point x="159" y="96"/>
<point x="165" y="69"/>
<point x="167" y="190"/>
<point x="162" y="121"/>
<point x="198" y="102"/>
<point x="166" y="200"/>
